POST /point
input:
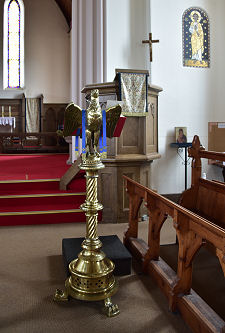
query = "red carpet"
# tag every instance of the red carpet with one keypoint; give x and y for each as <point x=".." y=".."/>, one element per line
<point x="29" y="190"/>
<point x="27" y="167"/>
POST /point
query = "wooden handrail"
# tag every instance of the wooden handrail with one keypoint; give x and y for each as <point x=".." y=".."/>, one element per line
<point x="213" y="155"/>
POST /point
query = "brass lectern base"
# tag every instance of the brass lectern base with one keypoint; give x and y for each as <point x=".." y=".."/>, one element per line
<point x="109" y="309"/>
<point x="91" y="278"/>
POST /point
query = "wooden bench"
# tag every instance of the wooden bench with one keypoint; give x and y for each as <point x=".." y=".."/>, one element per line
<point x="193" y="232"/>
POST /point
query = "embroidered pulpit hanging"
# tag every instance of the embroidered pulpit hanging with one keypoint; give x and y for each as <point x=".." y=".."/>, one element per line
<point x="133" y="90"/>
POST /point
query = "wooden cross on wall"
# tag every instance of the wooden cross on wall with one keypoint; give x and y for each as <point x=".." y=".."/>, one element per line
<point x="150" y="41"/>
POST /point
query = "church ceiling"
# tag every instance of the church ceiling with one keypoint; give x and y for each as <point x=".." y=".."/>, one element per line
<point x="66" y="8"/>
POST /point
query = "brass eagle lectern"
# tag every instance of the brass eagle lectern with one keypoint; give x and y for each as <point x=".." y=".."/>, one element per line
<point x="91" y="274"/>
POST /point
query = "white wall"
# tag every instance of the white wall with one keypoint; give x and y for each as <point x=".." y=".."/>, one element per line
<point x="192" y="96"/>
<point x="127" y="26"/>
<point x="87" y="46"/>
<point x="47" y="53"/>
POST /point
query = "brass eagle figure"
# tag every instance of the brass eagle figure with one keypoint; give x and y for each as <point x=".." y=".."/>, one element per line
<point x="73" y="121"/>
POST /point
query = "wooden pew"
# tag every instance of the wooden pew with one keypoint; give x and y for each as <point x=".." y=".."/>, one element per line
<point x="192" y="230"/>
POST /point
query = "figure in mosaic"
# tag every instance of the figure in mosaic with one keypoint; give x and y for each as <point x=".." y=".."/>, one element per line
<point x="197" y="38"/>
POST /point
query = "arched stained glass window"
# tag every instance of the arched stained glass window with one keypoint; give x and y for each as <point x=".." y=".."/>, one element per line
<point x="13" y="61"/>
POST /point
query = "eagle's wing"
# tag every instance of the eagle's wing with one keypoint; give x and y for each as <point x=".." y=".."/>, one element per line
<point x="112" y="117"/>
<point x="72" y="119"/>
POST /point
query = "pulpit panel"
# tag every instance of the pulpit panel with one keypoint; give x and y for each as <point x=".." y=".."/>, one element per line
<point x="139" y="172"/>
<point x="131" y="140"/>
<point x="151" y="125"/>
<point x="107" y="189"/>
<point x="125" y="196"/>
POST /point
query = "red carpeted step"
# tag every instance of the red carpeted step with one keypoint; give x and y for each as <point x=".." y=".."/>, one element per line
<point x="40" y="186"/>
<point x="44" y="217"/>
<point x="32" y="166"/>
<point x="28" y="186"/>
<point x="78" y="183"/>
<point x="49" y="217"/>
<point x="41" y="202"/>
<point x="30" y="195"/>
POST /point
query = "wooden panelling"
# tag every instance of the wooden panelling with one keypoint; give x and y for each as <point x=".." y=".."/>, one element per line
<point x="125" y="196"/>
<point x="16" y="111"/>
<point x="116" y="204"/>
<point x="52" y="117"/>
<point x="107" y="189"/>
<point x="151" y="124"/>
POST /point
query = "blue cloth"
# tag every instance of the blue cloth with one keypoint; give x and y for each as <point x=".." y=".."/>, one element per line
<point x="100" y="142"/>
<point x="104" y="148"/>
<point x="77" y="141"/>
<point x="83" y="133"/>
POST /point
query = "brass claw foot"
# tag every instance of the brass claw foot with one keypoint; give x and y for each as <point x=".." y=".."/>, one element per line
<point x="61" y="296"/>
<point x="110" y="309"/>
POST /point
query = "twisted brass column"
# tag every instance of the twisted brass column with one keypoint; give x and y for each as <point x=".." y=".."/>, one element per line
<point x="91" y="276"/>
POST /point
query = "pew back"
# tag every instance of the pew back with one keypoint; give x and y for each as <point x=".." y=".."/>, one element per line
<point x="211" y="201"/>
<point x="205" y="197"/>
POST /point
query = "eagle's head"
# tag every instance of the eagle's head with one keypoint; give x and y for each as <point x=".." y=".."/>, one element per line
<point x="94" y="93"/>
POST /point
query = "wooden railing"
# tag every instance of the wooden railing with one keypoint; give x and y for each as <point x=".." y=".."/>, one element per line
<point x="192" y="232"/>
<point x="21" y="139"/>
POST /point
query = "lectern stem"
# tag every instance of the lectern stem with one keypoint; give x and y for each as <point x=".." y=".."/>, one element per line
<point x="91" y="276"/>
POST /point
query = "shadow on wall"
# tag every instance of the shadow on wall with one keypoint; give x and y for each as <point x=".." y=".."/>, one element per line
<point x="136" y="51"/>
<point x="168" y="173"/>
<point x="213" y="172"/>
